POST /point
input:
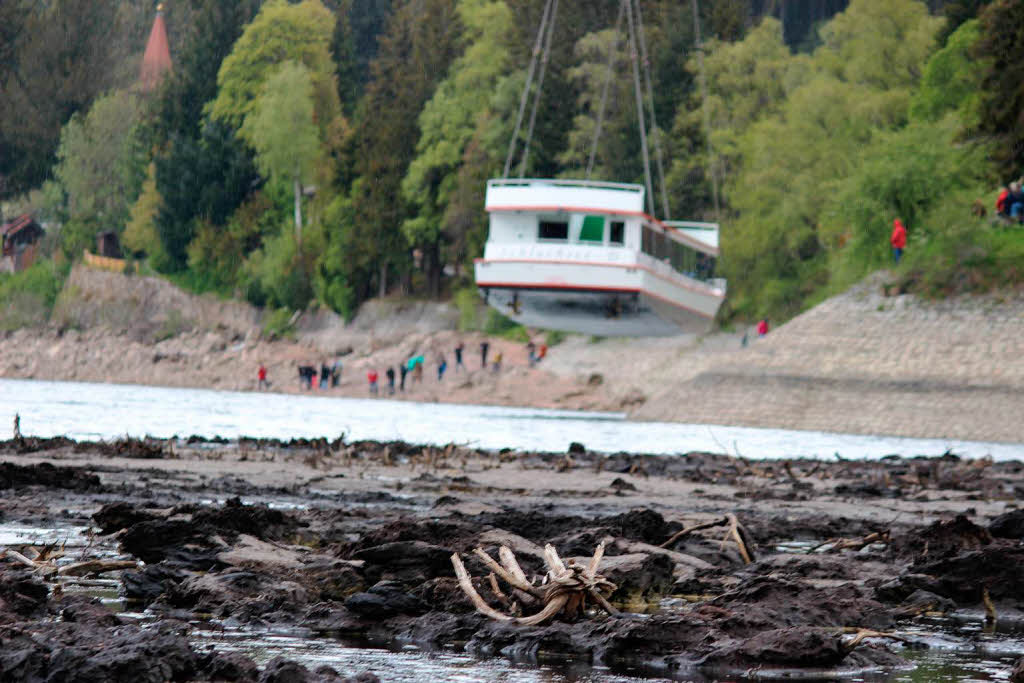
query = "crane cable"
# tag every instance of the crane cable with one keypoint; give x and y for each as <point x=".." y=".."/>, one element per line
<point x="612" y="47"/>
<point x="706" y="111"/>
<point x="655" y="132"/>
<point x="540" y="87"/>
<point x="634" y="58"/>
<point x="526" y="88"/>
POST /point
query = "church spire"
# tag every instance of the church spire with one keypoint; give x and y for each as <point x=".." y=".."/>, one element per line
<point x="157" y="60"/>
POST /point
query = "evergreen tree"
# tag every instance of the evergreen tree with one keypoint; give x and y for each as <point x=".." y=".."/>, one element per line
<point x="1002" y="90"/>
<point x="414" y="54"/>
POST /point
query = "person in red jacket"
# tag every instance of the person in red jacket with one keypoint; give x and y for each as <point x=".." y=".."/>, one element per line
<point x="898" y="239"/>
<point x="1002" y="207"/>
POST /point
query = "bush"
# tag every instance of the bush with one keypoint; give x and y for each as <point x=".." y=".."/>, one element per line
<point x="279" y="323"/>
<point x="467" y="300"/>
<point x="500" y="326"/>
<point x="27" y="298"/>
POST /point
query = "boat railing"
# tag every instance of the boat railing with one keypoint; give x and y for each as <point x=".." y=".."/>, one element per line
<point x="692" y="225"/>
<point x="593" y="184"/>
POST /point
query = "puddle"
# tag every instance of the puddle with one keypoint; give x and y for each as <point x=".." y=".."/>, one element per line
<point x="402" y="665"/>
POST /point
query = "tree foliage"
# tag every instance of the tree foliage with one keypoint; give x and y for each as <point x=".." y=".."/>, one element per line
<point x="279" y="33"/>
<point x="281" y="127"/>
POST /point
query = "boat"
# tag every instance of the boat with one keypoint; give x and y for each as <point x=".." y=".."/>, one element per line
<point x="583" y="256"/>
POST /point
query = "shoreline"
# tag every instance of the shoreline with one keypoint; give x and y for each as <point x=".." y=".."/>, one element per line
<point x="115" y="411"/>
<point x="859" y="363"/>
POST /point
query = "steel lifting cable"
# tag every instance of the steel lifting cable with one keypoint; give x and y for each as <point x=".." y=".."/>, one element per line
<point x="607" y="83"/>
<point x="540" y="88"/>
<point x="655" y="132"/>
<point x="526" y="88"/>
<point x="704" y="107"/>
<point x="634" y="57"/>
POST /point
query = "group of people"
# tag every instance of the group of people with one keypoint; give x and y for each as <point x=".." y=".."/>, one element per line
<point x="330" y="375"/>
<point x="1010" y="202"/>
<point x="414" y="366"/>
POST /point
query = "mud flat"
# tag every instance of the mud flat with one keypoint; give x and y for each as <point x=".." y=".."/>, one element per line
<point x="836" y="568"/>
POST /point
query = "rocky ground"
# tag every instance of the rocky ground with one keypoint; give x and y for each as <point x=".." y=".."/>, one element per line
<point x="721" y="566"/>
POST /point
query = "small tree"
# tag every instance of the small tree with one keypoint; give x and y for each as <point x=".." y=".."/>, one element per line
<point x="282" y="131"/>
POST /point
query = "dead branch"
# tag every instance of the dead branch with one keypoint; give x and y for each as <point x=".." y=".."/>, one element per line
<point x="837" y="544"/>
<point x="95" y="567"/>
<point x="864" y="633"/>
<point x="990" y="607"/>
<point x="690" y="529"/>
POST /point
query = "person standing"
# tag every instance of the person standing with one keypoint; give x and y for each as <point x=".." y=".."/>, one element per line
<point x="390" y="372"/>
<point x="325" y="375"/>
<point x="762" y="327"/>
<point x="403" y="370"/>
<point x="484" y="346"/>
<point x="261" y="377"/>
<point x="497" y="362"/>
<point x="898" y="239"/>
<point x="372" y="377"/>
<point x="458" y="356"/>
<point x="531" y="353"/>
<point x="441" y="367"/>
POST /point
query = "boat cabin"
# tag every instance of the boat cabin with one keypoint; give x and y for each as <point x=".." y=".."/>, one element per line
<point x="589" y="249"/>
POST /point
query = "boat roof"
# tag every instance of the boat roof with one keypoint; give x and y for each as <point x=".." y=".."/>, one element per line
<point x="549" y="194"/>
<point x="552" y="195"/>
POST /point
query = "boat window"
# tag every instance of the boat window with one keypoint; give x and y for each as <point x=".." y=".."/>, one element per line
<point x="592" y="229"/>
<point x="553" y="230"/>
<point x="618" y="233"/>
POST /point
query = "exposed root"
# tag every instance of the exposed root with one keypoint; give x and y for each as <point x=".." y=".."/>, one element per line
<point x="565" y="590"/>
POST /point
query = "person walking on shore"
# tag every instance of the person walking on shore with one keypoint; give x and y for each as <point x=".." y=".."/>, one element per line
<point x="371" y="377"/>
<point x="458" y="356"/>
<point x="261" y="378"/>
<point x="441" y="367"/>
<point x="484" y="346"/>
<point x="403" y="370"/>
<point x="497" y="362"/>
<point x="390" y="372"/>
<point x="762" y="327"/>
<point x="898" y="239"/>
<point x="325" y="375"/>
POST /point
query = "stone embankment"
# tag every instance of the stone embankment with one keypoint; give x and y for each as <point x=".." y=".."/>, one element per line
<point x="864" y="362"/>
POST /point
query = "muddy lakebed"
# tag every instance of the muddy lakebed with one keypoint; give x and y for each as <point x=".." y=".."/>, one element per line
<point x="316" y="560"/>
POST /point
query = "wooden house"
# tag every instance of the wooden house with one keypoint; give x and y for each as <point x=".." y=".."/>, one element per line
<point x="20" y="242"/>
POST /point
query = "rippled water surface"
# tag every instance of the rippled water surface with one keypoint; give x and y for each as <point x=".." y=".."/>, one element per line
<point x="103" y="411"/>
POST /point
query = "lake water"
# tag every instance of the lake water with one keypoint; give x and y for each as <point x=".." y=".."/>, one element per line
<point x="105" y="411"/>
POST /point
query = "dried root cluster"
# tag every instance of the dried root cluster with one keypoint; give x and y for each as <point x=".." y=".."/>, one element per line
<point x="563" y="591"/>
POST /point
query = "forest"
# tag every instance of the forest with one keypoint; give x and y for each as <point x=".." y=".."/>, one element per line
<point x="324" y="152"/>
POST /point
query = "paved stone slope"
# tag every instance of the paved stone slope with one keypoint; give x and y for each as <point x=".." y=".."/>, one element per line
<point x="866" y="363"/>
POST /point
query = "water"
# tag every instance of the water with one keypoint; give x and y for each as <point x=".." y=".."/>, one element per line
<point x="106" y="411"/>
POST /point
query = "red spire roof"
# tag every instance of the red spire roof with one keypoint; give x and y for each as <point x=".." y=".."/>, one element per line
<point x="157" y="60"/>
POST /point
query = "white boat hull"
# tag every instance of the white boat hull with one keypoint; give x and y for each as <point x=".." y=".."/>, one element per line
<point x="603" y="300"/>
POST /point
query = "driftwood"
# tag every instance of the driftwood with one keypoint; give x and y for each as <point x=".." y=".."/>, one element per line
<point x="565" y="591"/>
<point x="735" y="532"/>
<point x="837" y="544"/>
<point x="45" y="566"/>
